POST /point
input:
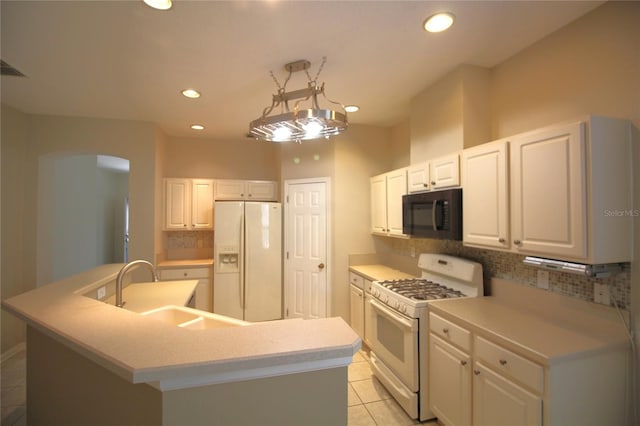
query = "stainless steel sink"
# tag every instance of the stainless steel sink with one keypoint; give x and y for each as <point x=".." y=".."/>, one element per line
<point x="192" y="319"/>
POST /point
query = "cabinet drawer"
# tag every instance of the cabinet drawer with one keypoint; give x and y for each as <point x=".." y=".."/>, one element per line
<point x="356" y="280"/>
<point x="367" y="286"/>
<point x="506" y="362"/>
<point x="186" y="273"/>
<point x="450" y="332"/>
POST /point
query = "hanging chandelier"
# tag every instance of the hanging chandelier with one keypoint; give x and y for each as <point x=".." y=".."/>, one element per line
<point x="300" y="123"/>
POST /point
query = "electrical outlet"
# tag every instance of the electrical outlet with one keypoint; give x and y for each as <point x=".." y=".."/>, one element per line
<point x="543" y="279"/>
<point x="601" y="294"/>
<point x="102" y="292"/>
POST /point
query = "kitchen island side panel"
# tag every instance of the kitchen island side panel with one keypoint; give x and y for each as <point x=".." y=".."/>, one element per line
<point x="65" y="388"/>
<point x="314" y="398"/>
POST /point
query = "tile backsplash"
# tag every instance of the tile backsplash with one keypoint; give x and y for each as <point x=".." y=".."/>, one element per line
<point x="189" y="240"/>
<point x="509" y="266"/>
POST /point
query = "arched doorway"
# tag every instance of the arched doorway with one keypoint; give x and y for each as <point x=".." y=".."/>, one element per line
<point x="82" y="213"/>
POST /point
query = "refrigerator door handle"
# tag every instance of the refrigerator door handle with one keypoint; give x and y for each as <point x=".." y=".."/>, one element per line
<point x="241" y="261"/>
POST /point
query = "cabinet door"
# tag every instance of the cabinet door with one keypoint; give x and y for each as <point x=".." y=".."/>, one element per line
<point x="548" y="192"/>
<point x="261" y="190"/>
<point x="449" y="383"/>
<point x="418" y="178"/>
<point x="230" y="190"/>
<point x="357" y="310"/>
<point x="177" y="203"/>
<point x="396" y="188"/>
<point x="445" y="172"/>
<point x="202" y="204"/>
<point x="498" y="401"/>
<point x="485" y="198"/>
<point x="379" y="204"/>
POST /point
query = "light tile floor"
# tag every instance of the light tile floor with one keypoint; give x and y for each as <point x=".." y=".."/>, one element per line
<point x="369" y="402"/>
<point x="14" y="390"/>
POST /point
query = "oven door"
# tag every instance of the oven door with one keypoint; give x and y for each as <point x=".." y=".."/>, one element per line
<point x="394" y="340"/>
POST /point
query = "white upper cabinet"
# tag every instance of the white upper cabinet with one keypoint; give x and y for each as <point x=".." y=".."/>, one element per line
<point x="386" y="202"/>
<point x="445" y="172"/>
<point x="418" y="179"/>
<point x="567" y="188"/>
<point x="188" y="204"/>
<point x="548" y="192"/>
<point x="485" y="214"/>
<point x="439" y="173"/>
<point x="258" y="190"/>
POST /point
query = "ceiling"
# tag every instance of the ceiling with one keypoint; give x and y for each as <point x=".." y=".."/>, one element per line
<point x="124" y="60"/>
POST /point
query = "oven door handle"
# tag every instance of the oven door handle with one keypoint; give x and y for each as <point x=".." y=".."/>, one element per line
<point x="394" y="316"/>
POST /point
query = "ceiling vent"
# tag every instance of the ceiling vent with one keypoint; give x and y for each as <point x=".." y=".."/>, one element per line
<point x="9" y="70"/>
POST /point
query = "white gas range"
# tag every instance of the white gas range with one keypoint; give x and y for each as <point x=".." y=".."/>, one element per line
<point x="399" y="325"/>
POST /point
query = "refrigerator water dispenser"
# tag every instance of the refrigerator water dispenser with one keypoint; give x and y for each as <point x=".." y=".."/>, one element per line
<point x="228" y="259"/>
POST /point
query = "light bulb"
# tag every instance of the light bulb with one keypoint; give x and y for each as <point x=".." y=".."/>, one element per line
<point x="438" y="22"/>
<point x="282" y="133"/>
<point x="159" y="4"/>
<point x="312" y="129"/>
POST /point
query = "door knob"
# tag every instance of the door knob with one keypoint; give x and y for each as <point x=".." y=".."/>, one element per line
<point x="321" y="266"/>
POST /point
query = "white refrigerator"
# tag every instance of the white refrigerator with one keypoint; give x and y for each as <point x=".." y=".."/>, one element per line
<point x="247" y="282"/>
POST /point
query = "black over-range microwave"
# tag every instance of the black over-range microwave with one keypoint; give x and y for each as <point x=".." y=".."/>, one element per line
<point x="436" y="214"/>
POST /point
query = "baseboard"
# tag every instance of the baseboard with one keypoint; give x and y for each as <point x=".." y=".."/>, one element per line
<point x="14" y="350"/>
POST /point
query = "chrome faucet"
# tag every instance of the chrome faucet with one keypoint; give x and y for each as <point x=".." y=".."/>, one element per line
<point x="125" y="268"/>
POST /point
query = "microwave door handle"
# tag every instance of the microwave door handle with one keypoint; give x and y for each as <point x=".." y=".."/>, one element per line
<point x="433" y="215"/>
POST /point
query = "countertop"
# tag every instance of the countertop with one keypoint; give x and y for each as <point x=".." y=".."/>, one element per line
<point x="378" y="272"/>
<point x="145" y="350"/>
<point x="184" y="263"/>
<point x="554" y="331"/>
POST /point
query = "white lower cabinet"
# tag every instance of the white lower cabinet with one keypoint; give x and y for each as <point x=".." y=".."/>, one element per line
<point x="481" y="383"/>
<point x="500" y="401"/>
<point x="203" y="289"/>
<point x="357" y="310"/>
<point x="475" y="380"/>
<point x="449" y="383"/>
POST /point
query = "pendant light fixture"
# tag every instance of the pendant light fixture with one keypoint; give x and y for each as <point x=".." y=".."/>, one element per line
<point x="302" y="122"/>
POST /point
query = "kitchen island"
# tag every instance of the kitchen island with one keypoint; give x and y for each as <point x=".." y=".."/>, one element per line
<point x="90" y="362"/>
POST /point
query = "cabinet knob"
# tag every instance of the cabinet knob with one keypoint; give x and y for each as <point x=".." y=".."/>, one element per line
<point x="501" y="240"/>
<point x="476" y="372"/>
<point x="321" y="266"/>
<point x="503" y="362"/>
<point x="517" y="242"/>
<point x="185" y="225"/>
<point x="463" y="362"/>
<point x="445" y="330"/>
<point x="433" y="182"/>
<point x="249" y="195"/>
<point x="185" y="274"/>
<point x="426" y="185"/>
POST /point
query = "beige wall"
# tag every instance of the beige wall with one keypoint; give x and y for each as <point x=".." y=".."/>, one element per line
<point x="591" y="66"/>
<point x="26" y="139"/>
<point x="13" y="142"/>
<point x="230" y="159"/>
<point x="450" y="115"/>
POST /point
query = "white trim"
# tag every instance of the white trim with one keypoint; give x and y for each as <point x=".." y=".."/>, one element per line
<point x="13" y="351"/>
<point x="329" y="240"/>
<point x="250" y="374"/>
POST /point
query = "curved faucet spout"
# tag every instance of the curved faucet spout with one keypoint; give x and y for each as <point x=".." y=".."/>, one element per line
<point x="124" y="270"/>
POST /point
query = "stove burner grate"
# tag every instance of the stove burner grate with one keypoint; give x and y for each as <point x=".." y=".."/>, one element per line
<point x="421" y="289"/>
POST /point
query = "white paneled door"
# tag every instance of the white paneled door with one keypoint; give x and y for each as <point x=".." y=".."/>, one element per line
<point x="305" y="257"/>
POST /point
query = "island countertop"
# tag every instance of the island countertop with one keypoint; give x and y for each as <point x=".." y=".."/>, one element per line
<point x="145" y="350"/>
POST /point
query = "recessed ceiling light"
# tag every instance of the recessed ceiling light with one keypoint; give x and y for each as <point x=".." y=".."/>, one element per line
<point x="197" y="127"/>
<point x="191" y="93"/>
<point x="352" y="108"/>
<point x="159" y="4"/>
<point x="438" y="22"/>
